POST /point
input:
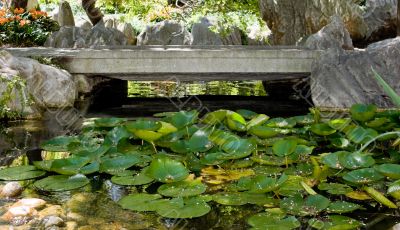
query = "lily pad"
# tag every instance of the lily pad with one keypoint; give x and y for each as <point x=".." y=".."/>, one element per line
<point x="214" y="117"/>
<point x="167" y="170"/>
<point x="335" y="222"/>
<point x="322" y="129"/>
<point x="389" y="170"/>
<point x="183" y="118"/>
<point x="281" y="123"/>
<point x="182" y="188"/>
<point x="69" y="166"/>
<point x="20" y="173"/>
<point x="339" y="124"/>
<point x="284" y="147"/>
<point x="355" y="160"/>
<point x="114" y="165"/>
<point x="199" y="142"/>
<point x="342" y="207"/>
<point x="360" y="112"/>
<point x="237" y="149"/>
<point x="312" y="205"/>
<point x="360" y="135"/>
<point x="141" y="202"/>
<point x="332" y="160"/>
<point x="142" y="124"/>
<point x="191" y="208"/>
<point x="263" y="131"/>
<point x="58" y="144"/>
<point x="268" y="221"/>
<point x="257" y="121"/>
<point x="363" y="176"/>
<point x="61" y="183"/>
<point x="335" y="188"/>
<point x="131" y="180"/>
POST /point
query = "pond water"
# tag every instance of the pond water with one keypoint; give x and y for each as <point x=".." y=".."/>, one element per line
<point x="94" y="206"/>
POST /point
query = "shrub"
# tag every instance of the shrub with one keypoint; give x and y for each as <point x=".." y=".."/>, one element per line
<point x="10" y="89"/>
<point x="25" y="28"/>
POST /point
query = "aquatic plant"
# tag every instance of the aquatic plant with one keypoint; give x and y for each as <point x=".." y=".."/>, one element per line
<point x="301" y="170"/>
<point x="13" y="87"/>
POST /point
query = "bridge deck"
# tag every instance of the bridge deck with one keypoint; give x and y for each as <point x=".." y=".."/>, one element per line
<point x="183" y="63"/>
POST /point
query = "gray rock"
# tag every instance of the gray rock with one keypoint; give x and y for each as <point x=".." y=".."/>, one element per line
<point x="396" y="227"/>
<point x="203" y="35"/>
<point x="84" y="24"/>
<point x="165" y="33"/>
<point x="341" y="79"/>
<point x="128" y="31"/>
<point x="11" y="189"/>
<point x="83" y="84"/>
<point x="381" y="19"/>
<point x="65" y="16"/>
<point x="75" y="37"/>
<point x="334" y="35"/>
<point x="290" y="20"/>
<point x="48" y="86"/>
<point x="52" y="221"/>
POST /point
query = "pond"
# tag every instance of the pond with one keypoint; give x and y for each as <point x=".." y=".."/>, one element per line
<point x="233" y="170"/>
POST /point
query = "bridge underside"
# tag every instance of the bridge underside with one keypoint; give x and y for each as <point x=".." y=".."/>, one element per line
<point x="179" y="63"/>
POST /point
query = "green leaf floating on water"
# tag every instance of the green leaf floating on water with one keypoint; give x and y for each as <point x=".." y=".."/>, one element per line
<point x="167" y="170"/>
<point x="182" y="188"/>
<point x="339" y="124"/>
<point x="389" y="170"/>
<point x="263" y="131"/>
<point x="61" y="183"/>
<point x="363" y="176"/>
<point x="191" y="208"/>
<point x="242" y="198"/>
<point x="200" y="142"/>
<point x="355" y="160"/>
<point x="214" y="117"/>
<point x="268" y="221"/>
<point x="360" y="135"/>
<point x="235" y="121"/>
<point x="342" y="207"/>
<point x="20" y="173"/>
<point x="334" y="222"/>
<point x="69" y="166"/>
<point x="109" y="122"/>
<point x="130" y="180"/>
<point x="238" y="148"/>
<point x="248" y="114"/>
<point x="322" y="129"/>
<point x="258" y="120"/>
<point x="141" y="202"/>
<point x="114" y="165"/>
<point x="281" y="123"/>
<point x="183" y="118"/>
<point x="59" y="144"/>
<point x="284" y="147"/>
<point x="335" y="188"/>
<point x="310" y="206"/>
<point x="360" y="112"/>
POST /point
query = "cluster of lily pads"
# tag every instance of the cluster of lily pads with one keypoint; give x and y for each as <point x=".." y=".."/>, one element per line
<point x="300" y="170"/>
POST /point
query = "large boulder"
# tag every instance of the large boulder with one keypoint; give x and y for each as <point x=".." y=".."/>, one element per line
<point x="65" y="17"/>
<point x="47" y="86"/>
<point x="341" y="79"/>
<point x="203" y="35"/>
<point x="76" y="37"/>
<point x="128" y="31"/>
<point x="290" y="20"/>
<point x="334" y="35"/>
<point x="381" y="19"/>
<point x="165" y="33"/>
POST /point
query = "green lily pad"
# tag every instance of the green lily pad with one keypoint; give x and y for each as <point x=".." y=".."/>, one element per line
<point x="141" y="202"/>
<point x="263" y="131"/>
<point x="212" y="158"/>
<point x="167" y="170"/>
<point x="235" y="121"/>
<point x="142" y="124"/>
<point x="61" y="183"/>
<point x="339" y="124"/>
<point x="236" y="149"/>
<point x="43" y="165"/>
<point x="258" y="120"/>
<point x="304" y="119"/>
<point x="342" y="207"/>
<point x="131" y="180"/>
<point x="268" y="221"/>
<point x="20" y="173"/>
<point x="90" y="168"/>
<point x="114" y="165"/>
<point x="322" y="129"/>
<point x="284" y="147"/>
<point x="109" y="122"/>
<point x="360" y="112"/>
<point x="355" y="160"/>
<point x="271" y="160"/>
<point x="69" y="166"/>
<point x="360" y="135"/>
<point x="335" y="222"/>
<point x="332" y="160"/>
<point x="248" y="114"/>
<point x="214" y="117"/>
<point x="182" y="119"/>
<point x="182" y="188"/>
<point x="378" y="122"/>
<point x="264" y="184"/>
<point x="335" y="188"/>
<point x="394" y="189"/>
<point x="242" y="198"/>
<point x="363" y="176"/>
<point x="191" y="208"/>
<point x="149" y="136"/>
<point x="58" y="144"/>
<point x="116" y="134"/>
<point x="389" y="170"/>
<point x="281" y="123"/>
<point x="312" y="205"/>
<point x="199" y="142"/>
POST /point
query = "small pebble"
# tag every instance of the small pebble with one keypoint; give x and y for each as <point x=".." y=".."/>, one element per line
<point x="11" y="189"/>
<point x="19" y="211"/>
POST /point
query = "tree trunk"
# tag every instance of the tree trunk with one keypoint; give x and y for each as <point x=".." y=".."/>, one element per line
<point x="92" y="11"/>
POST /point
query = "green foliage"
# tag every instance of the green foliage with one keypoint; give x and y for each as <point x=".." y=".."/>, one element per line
<point x="19" y="28"/>
<point x="14" y="87"/>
